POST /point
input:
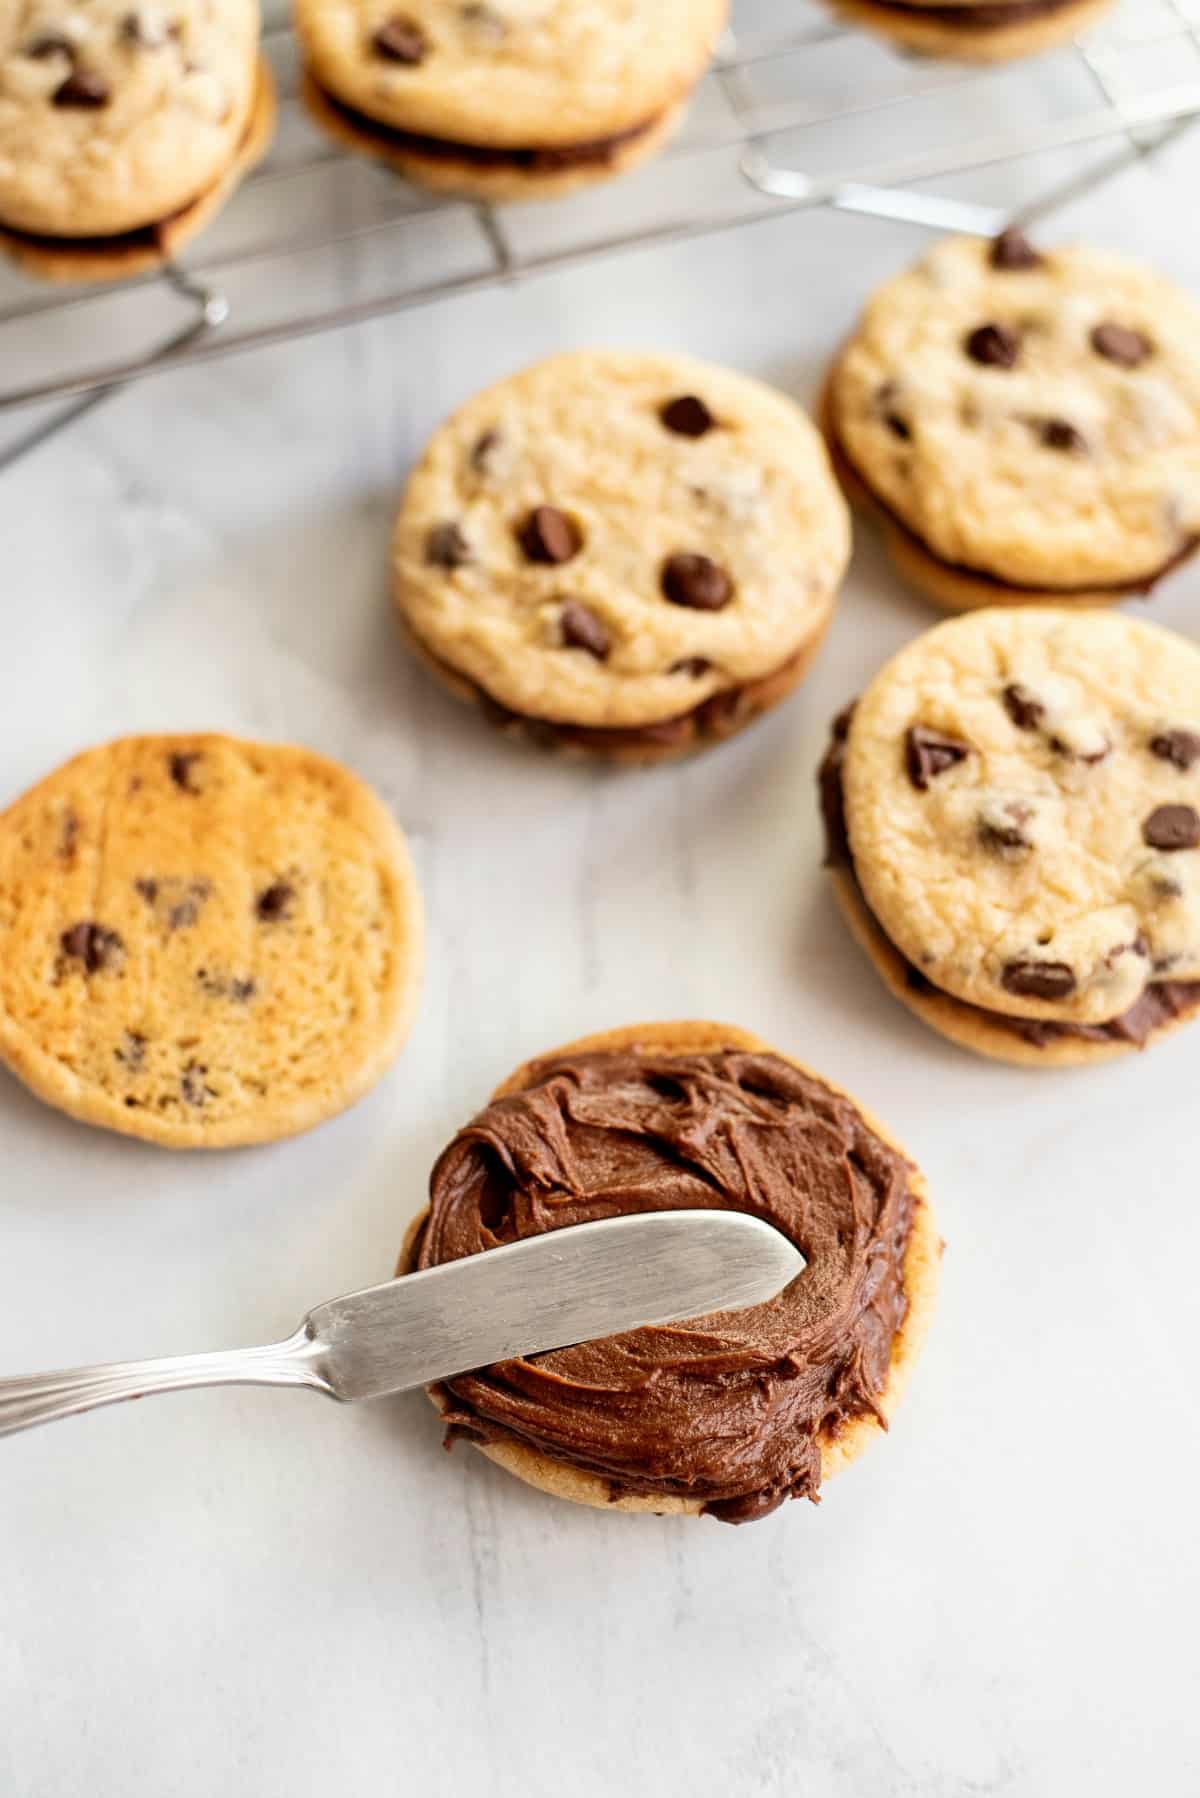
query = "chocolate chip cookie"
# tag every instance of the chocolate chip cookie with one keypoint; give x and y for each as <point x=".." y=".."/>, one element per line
<point x="732" y="1414"/>
<point x="976" y="30"/>
<point x="1025" y="423"/>
<point x="1013" y="819"/>
<point x="506" y="100"/>
<point x="623" y="553"/>
<point x="124" y="125"/>
<point x="204" y="942"/>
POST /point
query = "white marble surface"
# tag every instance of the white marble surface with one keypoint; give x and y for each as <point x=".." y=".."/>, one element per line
<point x="269" y="1596"/>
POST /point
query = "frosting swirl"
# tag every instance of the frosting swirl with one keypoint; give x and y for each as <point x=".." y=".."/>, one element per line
<point x="729" y="1409"/>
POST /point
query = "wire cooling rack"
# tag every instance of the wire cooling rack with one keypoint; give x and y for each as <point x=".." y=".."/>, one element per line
<point x="810" y="115"/>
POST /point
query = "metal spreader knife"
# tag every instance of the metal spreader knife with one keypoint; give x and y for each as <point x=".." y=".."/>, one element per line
<point x="563" y="1287"/>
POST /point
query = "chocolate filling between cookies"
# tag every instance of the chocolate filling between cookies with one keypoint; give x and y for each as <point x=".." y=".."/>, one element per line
<point x="1141" y="585"/>
<point x="720" y="715"/>
<point x="1161" y="1003"/>
<point x="990" y="15"/>
<point x="730" y="1410"/>
<point x="142" y="237"/>
<point x="544" y="159"/>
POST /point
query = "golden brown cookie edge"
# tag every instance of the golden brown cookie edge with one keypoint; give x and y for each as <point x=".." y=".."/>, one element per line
<point x="443" y="174"/>
<point x="951" y="589"/>
<point x="62" y="262"/>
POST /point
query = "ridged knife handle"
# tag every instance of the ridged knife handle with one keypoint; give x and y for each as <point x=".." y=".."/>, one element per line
<point x="42" y="1398"/>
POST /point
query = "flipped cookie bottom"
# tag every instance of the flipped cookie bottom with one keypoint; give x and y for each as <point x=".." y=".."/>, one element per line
<point x="205" y="942"/>
<point x="1030" y="27"/>
<point x="951" y="586"/>
<point x="920" y="1271"/>
<point x="482" y="172"/>
<point x="713" y="721"/>
<point x="151" y="247"/>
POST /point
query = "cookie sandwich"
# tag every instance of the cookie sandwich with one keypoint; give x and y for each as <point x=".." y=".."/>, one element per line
<point x="1013" y="819"/>
<point x="976" y="30"/>
<point x="1024" y="423"/>
<point x="633" y="555"/>
<point x="124" y="127"/>
<point x="505" y="100"/>
<point x="204" y="942"/>
<point x="729" y="1414"/>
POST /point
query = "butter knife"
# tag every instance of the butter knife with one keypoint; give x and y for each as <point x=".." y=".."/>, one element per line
<point x="566" y="1286"/>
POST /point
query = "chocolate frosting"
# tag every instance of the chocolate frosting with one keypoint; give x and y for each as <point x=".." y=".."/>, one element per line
<point x="543" y="159"/>
<point x="985" y="15"/>
<point x="729" y="1409"/>
<point x="1160" y="1003"/>
<point x="722" y="715"/>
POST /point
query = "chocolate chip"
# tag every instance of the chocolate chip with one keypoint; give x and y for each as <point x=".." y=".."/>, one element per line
<point x="180" y="765"/>
<point x="927" y="754"/>
<point x="692" y="665"/>
<point x="401" y="40"/>
<point x="275" y="901"/>
<point x="687" y="416"/>
<point x="885" y="401"/>
<point x="191" y="1083"/>
<point x="1179" y="747"/>
<point x="47" y="44"/>
<point x="1057" y="434"/>
<point x="184" y="913"/>
<point x="1038" y="979"/>
<point x="695" y="581"/>
<point x="82" y="88"/>
<point x="584" y="629"/>
<point x="1120" y="344"/>
<point x="148" y="890"/>
<point x="1002" y="827"/>
<point x="147" y="30"/>
<point x="132" y="1052"/>
<point x="446" y="547"/>
<point x="1025" y="710"/>
<point x="1013" y="250"/>
<point x="548" y="535"/>
<point x="94" y="945"/>
<point x="490" y="24"/>
<point x="996" y="346"/>
<point x="242" y="989"/>
<point x="1172" y="827"/>
<point x="483" y="455"/>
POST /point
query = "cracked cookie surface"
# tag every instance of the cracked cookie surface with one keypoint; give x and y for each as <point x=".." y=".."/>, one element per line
<point x="1022" y="801"/>
<point x="611" y="539"/>
<point x="1031" y="416"/>
<point x="115" y="114"/>
<point x="203" y="941"/>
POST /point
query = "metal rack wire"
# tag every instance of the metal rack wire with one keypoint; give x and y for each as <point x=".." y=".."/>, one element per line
<point x="788" y="119"/>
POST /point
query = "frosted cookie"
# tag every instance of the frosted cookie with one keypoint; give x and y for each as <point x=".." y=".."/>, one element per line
<point x="512" y="100"/>
<point x="976" y="30"/>
<point x="1024" y="423"/>
<point x="623" y="553"/>
<point x="204" y="942"/>
<point x="1013" y="818"/>
<point x="665" y="1116"/>
<point x="124" y="127"/>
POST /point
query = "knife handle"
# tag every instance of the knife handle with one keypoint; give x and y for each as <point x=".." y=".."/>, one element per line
<point x="41" y="1398"/>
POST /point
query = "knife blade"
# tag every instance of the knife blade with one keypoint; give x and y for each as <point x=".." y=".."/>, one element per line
<point x="526" y="1298"/>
